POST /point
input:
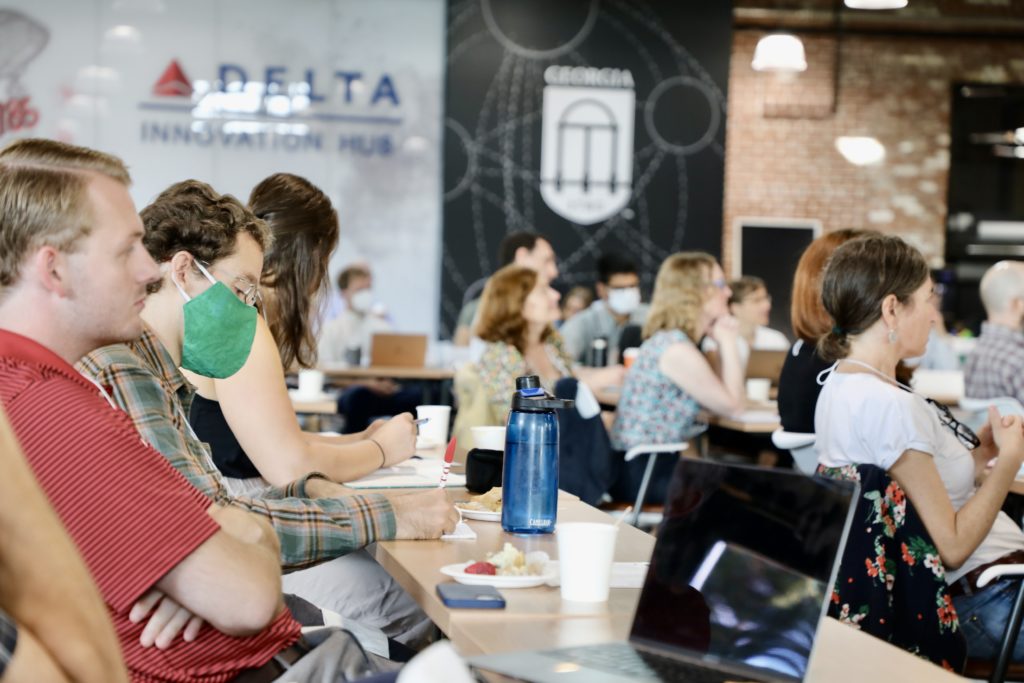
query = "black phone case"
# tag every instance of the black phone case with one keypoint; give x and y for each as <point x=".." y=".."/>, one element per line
<point x="461" y="596"/>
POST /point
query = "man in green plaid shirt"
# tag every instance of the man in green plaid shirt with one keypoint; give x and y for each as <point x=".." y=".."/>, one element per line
<point x="315" y="519"/>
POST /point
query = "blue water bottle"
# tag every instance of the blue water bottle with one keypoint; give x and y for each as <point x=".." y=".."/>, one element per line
<point x="529" y="480"/>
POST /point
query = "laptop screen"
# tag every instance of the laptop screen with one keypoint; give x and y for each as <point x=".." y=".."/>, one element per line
<point x="744" y="560"/>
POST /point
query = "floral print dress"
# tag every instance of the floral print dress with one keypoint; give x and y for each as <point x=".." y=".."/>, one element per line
<point x="891" y="581"/>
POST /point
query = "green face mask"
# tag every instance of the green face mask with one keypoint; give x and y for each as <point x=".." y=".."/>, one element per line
<point x="219" y="330"/>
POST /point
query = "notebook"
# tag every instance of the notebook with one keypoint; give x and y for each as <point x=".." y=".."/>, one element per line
<point x="398" y="350"/>
<point x="738" y="583"/>
<point x="415" y="473"/>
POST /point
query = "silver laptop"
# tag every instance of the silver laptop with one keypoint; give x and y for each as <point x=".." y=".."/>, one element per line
<point x="739" y="580"/>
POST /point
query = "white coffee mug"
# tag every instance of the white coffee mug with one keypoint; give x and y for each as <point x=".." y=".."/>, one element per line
<point x="311" y="383"/>
<point x="758" y="388"/>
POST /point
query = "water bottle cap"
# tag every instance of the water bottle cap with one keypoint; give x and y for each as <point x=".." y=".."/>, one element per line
<point x="537" y="400"/>
<point x="600" y="343"/>
<point x="527" y="382"/>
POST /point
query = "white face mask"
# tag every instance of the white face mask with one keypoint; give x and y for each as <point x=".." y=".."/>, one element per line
<point x="624" y="301"/>
<point x="362" y="301"/>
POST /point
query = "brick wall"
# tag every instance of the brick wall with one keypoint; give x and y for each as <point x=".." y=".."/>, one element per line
<point x="781" y="160"/>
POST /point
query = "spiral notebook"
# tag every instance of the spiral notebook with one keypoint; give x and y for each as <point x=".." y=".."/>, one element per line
<point x="415" y="473"/>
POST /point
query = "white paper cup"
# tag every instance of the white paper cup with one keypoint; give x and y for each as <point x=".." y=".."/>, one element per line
<point x="311" y="383"/>
<point x="757" y="389"/>
<point x="585" y="553"/>
<point x="489" y="438"/>
<point x="435" y="431"/>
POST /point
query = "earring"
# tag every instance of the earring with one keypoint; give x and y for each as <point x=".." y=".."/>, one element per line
<point x="892" y="336"/>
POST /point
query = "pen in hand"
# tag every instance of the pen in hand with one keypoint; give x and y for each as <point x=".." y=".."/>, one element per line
<point x="449" y="455"/>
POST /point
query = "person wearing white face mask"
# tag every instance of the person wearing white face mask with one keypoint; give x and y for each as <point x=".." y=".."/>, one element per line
<point x="618" y="305"/>
<point x="347" y="337"/>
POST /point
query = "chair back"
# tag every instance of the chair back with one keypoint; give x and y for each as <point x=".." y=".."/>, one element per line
<point x="474" y="408"/>
<point x="891" y="581"/>
<point x="801" y="446"/>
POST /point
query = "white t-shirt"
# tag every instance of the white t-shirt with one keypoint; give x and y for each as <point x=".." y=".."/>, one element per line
<point x="862" y="419"/>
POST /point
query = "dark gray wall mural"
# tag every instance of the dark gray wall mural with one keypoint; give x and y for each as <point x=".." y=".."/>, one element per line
<point x="598" y="123"/>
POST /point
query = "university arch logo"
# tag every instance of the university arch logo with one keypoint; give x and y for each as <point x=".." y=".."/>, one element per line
<point x="587" y="142"/>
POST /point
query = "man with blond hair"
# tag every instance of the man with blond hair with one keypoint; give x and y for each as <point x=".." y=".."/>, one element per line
<point x="995" y="368"/>
<point x="73" y="277"/>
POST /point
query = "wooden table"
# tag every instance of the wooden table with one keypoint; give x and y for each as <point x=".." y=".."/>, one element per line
<point x="536" y="618"/>
<point x="321" y="406"/>
<point x="842" y="654"/>
<point x="349" y="374"/>
<point x="760" y="426"/>
<point x="415" y="565"/>
<point x="338" y="372"/>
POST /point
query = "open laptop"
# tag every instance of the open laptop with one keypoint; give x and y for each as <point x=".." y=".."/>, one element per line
<point x="765" y="364"/>
<point x="738" y="583"/>
<point x="398" y="350"/>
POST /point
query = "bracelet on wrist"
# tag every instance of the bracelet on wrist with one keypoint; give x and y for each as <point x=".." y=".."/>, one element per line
<point x="375" y="443"/>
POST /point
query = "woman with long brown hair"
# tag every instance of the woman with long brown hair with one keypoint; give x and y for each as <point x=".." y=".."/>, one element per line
<point x="516" y="319"/>
<point x="248" y="419"/>
<point x="882" y="305"/>
<point x="798" y="390"/>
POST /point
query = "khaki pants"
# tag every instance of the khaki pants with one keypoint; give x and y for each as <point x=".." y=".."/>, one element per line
<point x="335" y="657"/>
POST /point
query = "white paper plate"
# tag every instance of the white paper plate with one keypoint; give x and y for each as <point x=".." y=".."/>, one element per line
<point x="456" y="571"/>
<point x="480" y="515"/>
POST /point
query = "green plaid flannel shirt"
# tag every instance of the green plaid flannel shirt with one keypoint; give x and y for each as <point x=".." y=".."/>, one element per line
<point x="143" y="380"/>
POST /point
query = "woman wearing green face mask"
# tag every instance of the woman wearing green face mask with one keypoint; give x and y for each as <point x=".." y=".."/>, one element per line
<point x="207" y="301"/>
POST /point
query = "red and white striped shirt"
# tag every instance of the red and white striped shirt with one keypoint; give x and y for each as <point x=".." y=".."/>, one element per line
<point x="132" y="516"/>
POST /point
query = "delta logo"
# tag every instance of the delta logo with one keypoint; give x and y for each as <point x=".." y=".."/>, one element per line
<point x="285" y="109"/>
<point x="173" y="82"/>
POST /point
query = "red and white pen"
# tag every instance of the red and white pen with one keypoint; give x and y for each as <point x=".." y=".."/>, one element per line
<point x="449" y="455"/>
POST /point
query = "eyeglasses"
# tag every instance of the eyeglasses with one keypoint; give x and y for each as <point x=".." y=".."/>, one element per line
<point x="719" y="283"/>
<point x="964" y="433"/>
<point x="248" y="289"/>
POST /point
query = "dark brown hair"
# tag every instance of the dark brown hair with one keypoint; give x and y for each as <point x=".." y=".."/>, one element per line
<point x="350" y="273"/>
<point x="191" y="216"/>
<point x="748" y="284"/>
<point x="860" y="274"/>
<point x="305" y="229"/>
<point x="501" y="307"/>
<point x="808" y="317"/>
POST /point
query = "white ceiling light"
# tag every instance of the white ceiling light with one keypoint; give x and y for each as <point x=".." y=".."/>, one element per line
<point x="860" y="151"/>
<point x="875" y="4"/>
<point x="779" y="52"/>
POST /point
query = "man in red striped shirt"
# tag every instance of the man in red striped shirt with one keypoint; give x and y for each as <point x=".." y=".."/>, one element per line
<point x="73" y="277"/>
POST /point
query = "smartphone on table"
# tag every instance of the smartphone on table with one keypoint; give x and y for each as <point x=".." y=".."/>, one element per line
<point x="461" y="596"/>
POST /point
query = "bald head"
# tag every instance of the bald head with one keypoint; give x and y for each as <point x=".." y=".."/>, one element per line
<point x="1002" y="290"/>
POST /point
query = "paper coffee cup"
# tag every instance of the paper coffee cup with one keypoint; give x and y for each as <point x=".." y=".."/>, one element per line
<point x="585" y="553"/>
<point x="757" y="389"/>
<point x="311" y="383"/>
<point x="434" y="432"/>
<point x="629" y="356"/>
